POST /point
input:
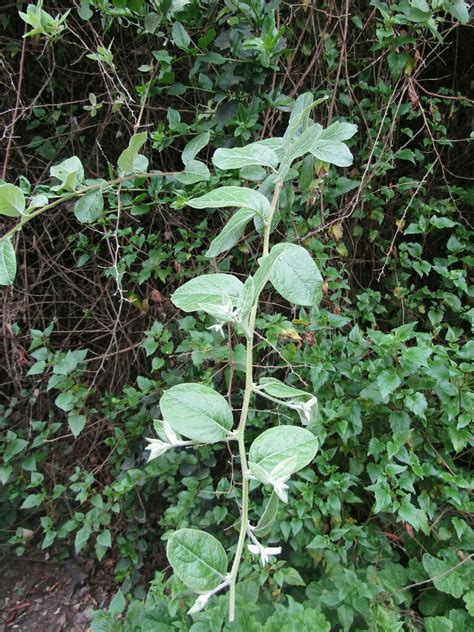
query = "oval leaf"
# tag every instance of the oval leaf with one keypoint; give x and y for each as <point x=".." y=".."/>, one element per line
<point x="12" y="200"/>
<point x="268" y="517"/>
<point x="276" y="388"/>
<point x="332" y="151"/>
<point x="283" y="443"/>
<point x="197" y="558"/>
<point x="240" y="197"/>
<point x="194" y="146"/>
<point x="253" y="154"/>
<point x="7" y="262"/>
<point x="89" y="207"/>
<point x="194" y="171"/>
<point x="208" y="289"/>
<point x="295" y="276"/>
<point x="197" y="412"/>
<point x="70" y="173"/>
<point x="129" y="160"/>
<point x="231" y="232"/>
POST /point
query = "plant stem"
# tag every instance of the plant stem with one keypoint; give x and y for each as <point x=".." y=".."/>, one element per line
<point x="243" y="419"/>
<point x="268" y="226"/>
<point x="73" y="194"/>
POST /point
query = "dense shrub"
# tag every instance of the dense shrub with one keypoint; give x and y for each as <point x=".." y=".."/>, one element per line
<point x="377" y="534"/>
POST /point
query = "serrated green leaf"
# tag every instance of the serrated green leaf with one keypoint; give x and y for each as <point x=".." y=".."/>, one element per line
<point x="413" y="515"/>
<point x="89" y="207"/>
<point x="240" y="197"/>
<point x="7" y="262"/>
<point x="387" y="381"/>
<point x="12" y="200"/>
<point x="197" y="558"/>
<point x="207" y="289"/>
<point x="444" y="576"/>
<point x="238" y="157"/>
<point x="231" y="233"/>
<point x="197" y="411"/>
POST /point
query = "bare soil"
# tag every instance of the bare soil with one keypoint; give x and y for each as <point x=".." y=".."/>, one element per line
<point x="37" y="595"/>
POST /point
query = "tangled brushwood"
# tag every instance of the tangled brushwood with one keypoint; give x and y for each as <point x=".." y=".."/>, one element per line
<point x="236" y="251"/>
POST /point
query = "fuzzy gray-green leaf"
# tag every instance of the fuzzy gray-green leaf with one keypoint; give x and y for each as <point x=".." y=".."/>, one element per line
<point x="197" y="412"/>
<point x="197" y="558"/>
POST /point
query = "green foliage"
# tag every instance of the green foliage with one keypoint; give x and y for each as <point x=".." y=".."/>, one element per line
<point x="376" y="531"/>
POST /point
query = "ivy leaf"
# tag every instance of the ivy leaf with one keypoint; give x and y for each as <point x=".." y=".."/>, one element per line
<point x="89" y="207"/>
<point x="444" y="578"/>
<point x="194" y="171"/>
<point x="197" y="558"/>
<point x="7" y="262"/>
<point x="70" y="173"/>
<point x="282" y="443"/>
<point x="437" y="624"/>
<point x="231" y="232"/>
<point x="194" y="146"/>
<point x="130" y="161"/>
<point x="207" y="289"/>
<point x="238" y="157"/>
<point x="197" y="412"/>
<point x="417" y="404"/>
<point x="12" y="200"/>
<point x="387" y="381"/>
<point x="240" y="197"/>
<point x="414" y="516"/>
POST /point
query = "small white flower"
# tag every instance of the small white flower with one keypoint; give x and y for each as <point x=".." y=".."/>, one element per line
<point x="218" y="328"/>
<point x="202" y="600"/>
<point x="157" y="447"/>
<point x="200" y="603"/>
<point x="263" y="551"/>
<point x="281" y="488"/>
<point x="306" y="409"/>
<point x="170" y="434"/>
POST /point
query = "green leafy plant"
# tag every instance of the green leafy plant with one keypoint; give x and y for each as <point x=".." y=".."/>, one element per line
<point x="200" y="414"/>
<point x="42" y="22"/>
